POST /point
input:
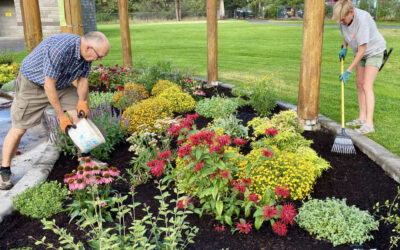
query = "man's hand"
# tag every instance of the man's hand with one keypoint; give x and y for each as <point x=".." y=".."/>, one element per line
<point x="342" y="53"/>
<point x="82" y="109"/>
<point x="345" y="76"/>
<point x="64" y="122"/>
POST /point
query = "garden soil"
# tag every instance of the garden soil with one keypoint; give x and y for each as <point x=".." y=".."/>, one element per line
<point x="353" y="177"/>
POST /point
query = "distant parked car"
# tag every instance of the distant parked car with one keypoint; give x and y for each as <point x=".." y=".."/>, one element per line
<point x="243" y="13"/>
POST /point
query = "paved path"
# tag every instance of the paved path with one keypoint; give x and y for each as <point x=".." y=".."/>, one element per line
<point x="15" y="44"/>
<point x="300" y="24"/>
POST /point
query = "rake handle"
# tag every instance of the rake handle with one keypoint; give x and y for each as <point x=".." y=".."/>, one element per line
<point x="342" y="86"/>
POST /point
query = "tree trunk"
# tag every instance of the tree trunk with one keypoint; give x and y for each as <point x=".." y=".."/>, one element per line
<point x="180" y="9"/>
<point x="260" y="8"/>
<point x="177" y="10"/>
<point x="221" y="9"/>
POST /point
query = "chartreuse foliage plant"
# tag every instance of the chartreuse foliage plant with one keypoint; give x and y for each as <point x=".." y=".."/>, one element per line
<point x="132" y="93"/>
<point x="8" y="72"/>
<point x="99" y="98"/>
<point x="206" y="169"/>
<point x="391" y="217"/>
<point x="216" y="107"/>
<point x="162" y="85"/>
<point x="334" y="220"/>
<point x="41" y="201"/>
<point x="180" y="102"/>
<point x="262" y="97"/>
<point x="8" y="86"/>
<point x="167" y="229"/>
<point x="230" y="125"/>
<point x="144" y="115"/>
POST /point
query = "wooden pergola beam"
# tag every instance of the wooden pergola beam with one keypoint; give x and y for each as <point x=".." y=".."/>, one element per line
<point x="31" y="22"/>
<point x="125" y="33"/>
<point x="212" y="42"/>
<point x="73" y="17"/>
<point x="310" y="69"/>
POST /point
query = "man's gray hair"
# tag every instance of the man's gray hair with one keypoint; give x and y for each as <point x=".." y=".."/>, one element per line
<point x="96" y="37"/>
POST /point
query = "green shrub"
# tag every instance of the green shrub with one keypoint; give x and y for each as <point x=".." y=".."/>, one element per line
<point x="8" y="72"/>
<point x="333" y="220"/>
<point x="8" y="86"/>
<point x="231" y="126"/>
<point x="162" y="85"/>
<point x="180" y="102"/>
<point x="262" y="98"/>
<point x="216" y="107"/>
<point x="6" y="57"/>
<point x="41" y="201"/>
<point x="99" y="98"/>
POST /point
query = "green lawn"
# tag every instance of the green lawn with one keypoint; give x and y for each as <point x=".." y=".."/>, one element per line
<point x="249" y="49"/>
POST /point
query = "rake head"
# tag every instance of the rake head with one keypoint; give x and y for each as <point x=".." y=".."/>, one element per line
<point x="343" y="144"/>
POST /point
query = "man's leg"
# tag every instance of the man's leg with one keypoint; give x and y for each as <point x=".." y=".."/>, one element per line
<point x="10" y="146"/>
<point x="369" y="78"/>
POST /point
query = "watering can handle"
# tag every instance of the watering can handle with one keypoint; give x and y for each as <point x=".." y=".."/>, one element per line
<point x="81" y="114"/>
<point x="67" y="128"/>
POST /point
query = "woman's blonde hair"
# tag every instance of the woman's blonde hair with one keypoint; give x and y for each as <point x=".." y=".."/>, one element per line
<point x="341" y="9"/>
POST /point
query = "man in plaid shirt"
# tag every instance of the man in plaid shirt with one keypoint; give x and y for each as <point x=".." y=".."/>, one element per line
<point x="46" y="77"/>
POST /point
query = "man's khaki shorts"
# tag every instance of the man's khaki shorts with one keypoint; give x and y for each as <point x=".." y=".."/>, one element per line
<point x="30" y="101"/>
<point x="372" y="61"/>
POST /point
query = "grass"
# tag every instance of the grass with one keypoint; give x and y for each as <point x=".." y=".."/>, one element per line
<point x="251" y="49"/>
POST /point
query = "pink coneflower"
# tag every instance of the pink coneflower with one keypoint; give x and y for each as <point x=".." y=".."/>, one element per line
<point x="243" y="227"/>
<point x="99" y="180"/>
<point x="67" y="177"/>
<point x="89" y="164"/>
<point x="103" y="204"/>
<point x="107" y="178"/>
<point x="80" y="184"/>
<point x="269" y="212"/>
<point x="113" y="171"/>
<point x="199" y="92"/>
<point x="87" y="178"/>
<point x="95" y="170"/>
<point x="71" y="184"/>
<point x="282" y="191"/>
<point x="104" y="171"/>
<point x="280" y="228"/>
<point x="80" y="174"/>
<point x="267" y="153"/>
<point x="253" y="197"/>
<point x="288" y="213"/>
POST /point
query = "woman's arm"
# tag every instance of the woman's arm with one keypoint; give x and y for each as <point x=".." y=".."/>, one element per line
<point x="358" y="57"/>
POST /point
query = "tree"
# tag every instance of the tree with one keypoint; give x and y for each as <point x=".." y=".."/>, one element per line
<point x="178" y="10"/>
<point x="221" y="9"/>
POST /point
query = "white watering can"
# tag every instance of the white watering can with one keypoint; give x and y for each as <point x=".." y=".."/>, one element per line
<point x="86" y="135"/>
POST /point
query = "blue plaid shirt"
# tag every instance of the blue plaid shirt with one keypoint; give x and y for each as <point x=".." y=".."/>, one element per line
<point x="57" y="57"/>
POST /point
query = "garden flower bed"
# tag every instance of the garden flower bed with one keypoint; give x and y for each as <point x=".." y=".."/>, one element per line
<point x="355" y="178"/>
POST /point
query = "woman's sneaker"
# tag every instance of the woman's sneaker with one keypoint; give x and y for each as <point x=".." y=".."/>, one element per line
<point x="5" y="179"/>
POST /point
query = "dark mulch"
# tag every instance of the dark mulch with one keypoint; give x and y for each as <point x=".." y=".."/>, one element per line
<point x="354" y="177"/>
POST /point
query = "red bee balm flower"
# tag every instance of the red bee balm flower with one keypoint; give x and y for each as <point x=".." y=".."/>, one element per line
<point x="243" y="227"/>
<point x="220" y="228"/>
<point x="288" y="213"/>
<point x="157" y="170"/>
<point x="271" y="131"/>
<point x="239" y="141"/>
<point x="282" y="191"/>
<point x="199" y="165"/>
<point x="267" y="153"/>
<point x="270" y="212"/>
<point x="280" y="228"/>
<point x="183" y="203"/>
<point x="253" y="197"/>
<point x="164" y="155"/>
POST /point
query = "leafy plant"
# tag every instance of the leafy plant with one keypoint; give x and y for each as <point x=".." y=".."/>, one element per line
<point x="333" y="220"/>
<point x="132" y="93"/>
<point x="100" y="98"/>
<point x="162" y="85"/>
<point x="231" y="126"/>
<point x="41" y="201"/>
<point x="8" y="86"/>
<point x="143" y="233"/>
<point x="392" y="217"/>
<point x="8" y="72"/>
<point x="113" y="78"/>
<point x="192" y="87"/>
<point x="216" y="107"/>
<point x="180" y="102"/>
<point x="262" y="98"/>
<point x="6" y="57"/>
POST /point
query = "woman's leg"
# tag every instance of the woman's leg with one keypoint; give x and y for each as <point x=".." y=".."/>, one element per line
<point x="369" y="78"/>
<point x="360" y="79"/>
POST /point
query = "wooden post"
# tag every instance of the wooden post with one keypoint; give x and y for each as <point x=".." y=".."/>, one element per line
<point x="125" y="33"/>
<point x="310" y="70"/>
<point x="212" y="42"/>
<point x="73" y="17"/>
<point x="31" y="23"/>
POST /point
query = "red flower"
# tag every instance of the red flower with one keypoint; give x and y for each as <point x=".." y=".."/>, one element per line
<point x="282" y="191"/>
<point x="164" y="155"/>
<point x="153" y="163"/>
<point x="267" y="153"/>
<point x="195" y="139"/>
<point x="183" y="203"/>
<point x="184" y="151"/>
<point x="243" y="227"/>
<point x="157" y="170"/>
<point x="220" y="228"/>
<point x="224" y="140"/>
<point x="270" y="211"/>
<point x="225" y="174"/>
<point x="239" y="141"/>
<point x="280" y="228"/>
<point x="288" y="213"/>
<point x="119" y="88"/>
<point x="212" y="176"/>
<point x="240" y="186"/>
<point x="271" y="131"/>
<point x="199" y="165"/>
<point x="253" y="197"/>
<point x="174" y="130"/>
<point x="216" y="148"/>
<point x="247" y="181"/>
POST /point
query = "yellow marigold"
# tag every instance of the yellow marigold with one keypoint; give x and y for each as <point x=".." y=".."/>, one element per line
<point x="180" y="102"/>
<point x="162" y="85"/>
<point x="135" y="91"/>
<point x="145" y="114"/>
<point x="118" y="96"/>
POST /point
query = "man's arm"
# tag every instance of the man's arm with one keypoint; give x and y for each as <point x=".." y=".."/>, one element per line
<point x="51" y="92"/>
<point x="82" y="88"/>
<point x="358" y="57"/>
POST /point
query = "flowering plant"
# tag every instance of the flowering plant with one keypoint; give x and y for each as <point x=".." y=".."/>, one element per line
<point x="113" y="78"/>
<point x="89" y="183"/>
<point x="193" y="88"/>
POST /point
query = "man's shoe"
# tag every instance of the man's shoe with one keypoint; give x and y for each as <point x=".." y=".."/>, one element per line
<point x="5" y="180"/>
